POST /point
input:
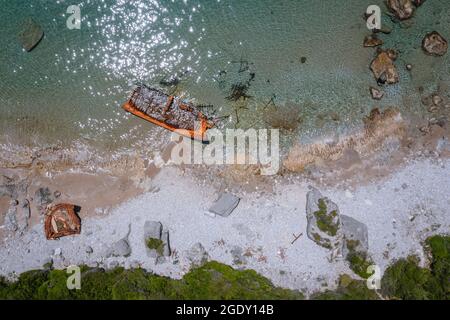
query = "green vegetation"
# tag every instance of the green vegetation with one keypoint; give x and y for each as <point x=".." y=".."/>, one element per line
<point x="348" y="289"/>
<point x="156" y="244"/>
<point x="359" y="261"/>
<point x="325" y="221"/>
<point x="402" y="280"/>
<point x="406" y="280"/>
<point x="211" y="281"/>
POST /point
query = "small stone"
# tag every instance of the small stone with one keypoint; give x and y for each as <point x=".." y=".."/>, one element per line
<point x="418" y="3"/>
<point x="57" y="194"/>
<point x="434" y="44"/>
<point x="372" y="41"/>
<point x="409" y="67"/>
<point x="376" y="94"/>
<point x="89" y="250"/>
<point x="437" y="100"/>
<point x="303" y="59"/>
<point x="57" y="252"/>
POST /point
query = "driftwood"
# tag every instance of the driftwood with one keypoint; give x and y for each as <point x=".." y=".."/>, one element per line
<point x="61" y="220"/>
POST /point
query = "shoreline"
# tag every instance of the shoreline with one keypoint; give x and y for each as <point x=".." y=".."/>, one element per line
<point x="396" y="186"/>
<point x="259" y="232"/>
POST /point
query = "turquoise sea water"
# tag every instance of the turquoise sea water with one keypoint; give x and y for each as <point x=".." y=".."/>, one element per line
<point x="307" y="54"/>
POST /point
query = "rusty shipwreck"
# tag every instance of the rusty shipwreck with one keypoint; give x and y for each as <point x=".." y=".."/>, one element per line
<point x="169" y="112"/>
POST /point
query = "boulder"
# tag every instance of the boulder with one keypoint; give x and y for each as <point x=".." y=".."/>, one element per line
<point x="156" y="241"/>
<point x="403" y="9"/>
<point x="324" y="223"/>
<point x="197" y="255"/>
<point x="225" y="205"/>
<point x="434" y="44"/>
<point x="152" y="229"/>
<point x="383" y="67"/>
<point x="31" y="34"/>
<point x="356" y="235"/>
<point x="120" y="248"/>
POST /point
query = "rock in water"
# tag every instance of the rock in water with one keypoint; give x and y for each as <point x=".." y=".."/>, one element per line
<point x="372" y="41"/>
<point x="356" y="235"/>
<point x="324" y="223"/>
<point x="376" y="94"/>
<point x="383" y="67"/>
<point x="418" y="3"/>
<point x="197" y="255"/>
<point x="434" y="44"/>
<point x="403" y="9"/>
<point x="225" y="205"/>
<point x="31" y="34"/>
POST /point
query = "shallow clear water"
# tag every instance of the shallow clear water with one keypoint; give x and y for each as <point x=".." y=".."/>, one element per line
<point x="71" y="86"/>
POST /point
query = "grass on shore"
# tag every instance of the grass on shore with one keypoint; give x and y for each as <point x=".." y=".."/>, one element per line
<point x="402" y="280"/>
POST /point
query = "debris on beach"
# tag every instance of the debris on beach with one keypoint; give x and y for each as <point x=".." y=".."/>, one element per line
<point x="403" y="9"/>
<point x="383" y="67"/>
<point x="168" y="111"/>
<point x="434" y="44"/>
<point x="372" y="41"/>
<point x="225" y="205"/>
<point x="31" y="34"/>
<point x="61" y="220"/>
<point x="376" y="94"/>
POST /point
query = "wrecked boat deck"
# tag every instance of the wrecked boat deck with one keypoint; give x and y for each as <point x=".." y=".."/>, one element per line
<point x="169" y="112"/>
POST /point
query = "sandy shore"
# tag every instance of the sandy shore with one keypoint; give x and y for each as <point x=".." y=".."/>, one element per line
<point x="400" y="212"/>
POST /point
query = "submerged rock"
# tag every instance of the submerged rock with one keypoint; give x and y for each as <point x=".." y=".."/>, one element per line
<point x="383" y="67"/>
<point x="418" y="3"/>
<point x="376" y="94"/>
<point x="31" y="34"/>
<point x="403" y="9"/>
<point x="372" y="41"/>
<point x="324" y="223"/>
<point x="434" y="44"/>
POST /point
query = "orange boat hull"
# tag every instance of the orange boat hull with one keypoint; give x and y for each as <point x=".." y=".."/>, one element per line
<point x="199" y="134"/>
